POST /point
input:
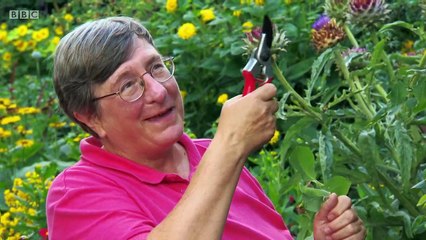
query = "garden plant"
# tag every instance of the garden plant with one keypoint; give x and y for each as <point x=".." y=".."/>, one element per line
<point x="351" y="79"/>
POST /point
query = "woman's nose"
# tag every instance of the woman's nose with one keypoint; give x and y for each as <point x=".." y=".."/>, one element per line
<point x="154" y="90"/>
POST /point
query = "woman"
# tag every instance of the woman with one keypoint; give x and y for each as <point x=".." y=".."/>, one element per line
<point x="140" y="176"/>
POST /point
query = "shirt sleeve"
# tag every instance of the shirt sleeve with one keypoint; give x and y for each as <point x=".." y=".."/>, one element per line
<point x="81" y="208"/>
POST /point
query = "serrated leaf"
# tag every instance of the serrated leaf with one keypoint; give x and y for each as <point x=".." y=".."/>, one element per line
<point x="317" y="68"/>
<point x="370" y="150"/>
<point x="325" y="154"/>
<point x="405" y="152"/>
<point x="281" y="113"/>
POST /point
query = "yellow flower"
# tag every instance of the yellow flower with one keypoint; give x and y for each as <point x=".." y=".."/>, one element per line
<point x="44" y="33"/>
<point x="17" y="182"/>
<point x="7" y="56"/>
<point x="68" y="17"/>
<point x="31" y="211"/>
<point x="259" y="2"/>
<point x="55" y="40"/>
<point x="4" y="133"/>
<point x="3" y="26"/>
<point x="41" y="34"/>
<point x="31" y="44"/>
<point x="57" y="124"/>
<point x="407" y="46"/>
<point x="207" y="14"/>
<point x="247" y="26"/>
<point x="22" y="30"/>
<point x="24" y="143"/>
<point x="3" y="150"/>
<point x="11" y="106"/>
<point x="59" y="30"/>
<point x="171" y="6"/>
<point x="20" y="45"/>
<point x="187" y="31"/>
<point x="236" y="13"/>
<point x="3" y="35"/>
<point x="21" y="129"/>
<point x="5" y="101"/>
<point x="222" y="98"/>
<point x="10" y="119"/>
<point x="275" y="138"/>
<point x="28" y="110"/>
<point x="183" y="93"/>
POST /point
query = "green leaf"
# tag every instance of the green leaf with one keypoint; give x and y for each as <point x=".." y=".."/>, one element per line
<point x="338" y="184"/>
<point x="292" y="132"/>
<point x="422" y="201"/>
<point x="401" y="216"/>
<point x="291" y="30"/>
<point x="419" y="31"/>
<point x="21" y="153"/>
<point x="419" y="90"/>
<point x="404" y="150"/>
<point x="325" y="154"/>
<point x="303" y="160"/>
<point x="299" y="69"/>
<point x="398" y="93"/>
<point x="370" y="151"/>
<point x="313" y="198"/>
<point x="377" y="53"/>
<point x="317" y="68"/>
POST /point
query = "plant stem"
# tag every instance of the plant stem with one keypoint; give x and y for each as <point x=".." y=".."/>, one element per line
<point x="350" y="36"/>
<point x="401" y="197"/>
<point x="366" y="99"/>
<point x="385" y="179"/>
<point x="347" y="142"/>
<point x="389" y="66"/>
<point x="301" y="101"/>
<point x="361" y="101"/>
<point x="381" y="91"/>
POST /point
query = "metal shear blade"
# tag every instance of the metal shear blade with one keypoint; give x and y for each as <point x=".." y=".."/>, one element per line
<point x="259" y="67"/>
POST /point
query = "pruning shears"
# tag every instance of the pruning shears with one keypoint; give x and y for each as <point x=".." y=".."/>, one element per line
<point x="258" y="69"/>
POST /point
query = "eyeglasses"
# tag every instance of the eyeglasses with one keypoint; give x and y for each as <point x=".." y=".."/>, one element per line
<point x="132" y="88"/>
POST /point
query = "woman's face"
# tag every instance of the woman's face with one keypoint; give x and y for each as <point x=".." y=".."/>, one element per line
<point x="147" y="125"/>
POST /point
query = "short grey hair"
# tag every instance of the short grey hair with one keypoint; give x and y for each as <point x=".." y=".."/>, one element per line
<point x="88" y="56"/>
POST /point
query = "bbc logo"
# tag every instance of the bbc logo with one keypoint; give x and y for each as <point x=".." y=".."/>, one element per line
<point x="23" y="14"/>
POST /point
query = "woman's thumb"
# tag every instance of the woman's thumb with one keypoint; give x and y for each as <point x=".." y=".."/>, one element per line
<point x="326" y="208"/>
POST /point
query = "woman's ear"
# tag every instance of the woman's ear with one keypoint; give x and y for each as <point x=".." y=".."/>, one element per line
<point x="92" y="121"/>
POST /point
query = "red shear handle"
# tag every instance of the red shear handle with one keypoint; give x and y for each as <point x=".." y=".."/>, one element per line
<point x="250" y="82"/>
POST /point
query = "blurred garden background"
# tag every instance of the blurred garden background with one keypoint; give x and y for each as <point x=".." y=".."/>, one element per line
<point x="351" y="81"/>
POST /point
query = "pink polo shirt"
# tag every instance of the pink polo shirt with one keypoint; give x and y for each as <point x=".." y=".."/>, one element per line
<point x="105" y="196"/>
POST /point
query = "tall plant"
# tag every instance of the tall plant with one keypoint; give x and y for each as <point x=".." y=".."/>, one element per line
<point x="356" y="124"/>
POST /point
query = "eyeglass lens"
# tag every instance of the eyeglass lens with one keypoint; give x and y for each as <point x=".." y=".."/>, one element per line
<point x="132" y="89"/>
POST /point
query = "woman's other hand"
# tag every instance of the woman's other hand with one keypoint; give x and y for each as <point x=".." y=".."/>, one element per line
<point x="338" y="220"/>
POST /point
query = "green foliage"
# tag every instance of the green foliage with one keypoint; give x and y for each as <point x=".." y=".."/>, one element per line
<point x="350" y="120"/>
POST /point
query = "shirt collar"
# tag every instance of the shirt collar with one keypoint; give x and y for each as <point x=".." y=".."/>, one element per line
<point x="92" y="152"/>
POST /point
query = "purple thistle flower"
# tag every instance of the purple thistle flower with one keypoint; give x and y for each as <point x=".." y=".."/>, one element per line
<point x="320" y="22"/>
<point x="326" y="32"/>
